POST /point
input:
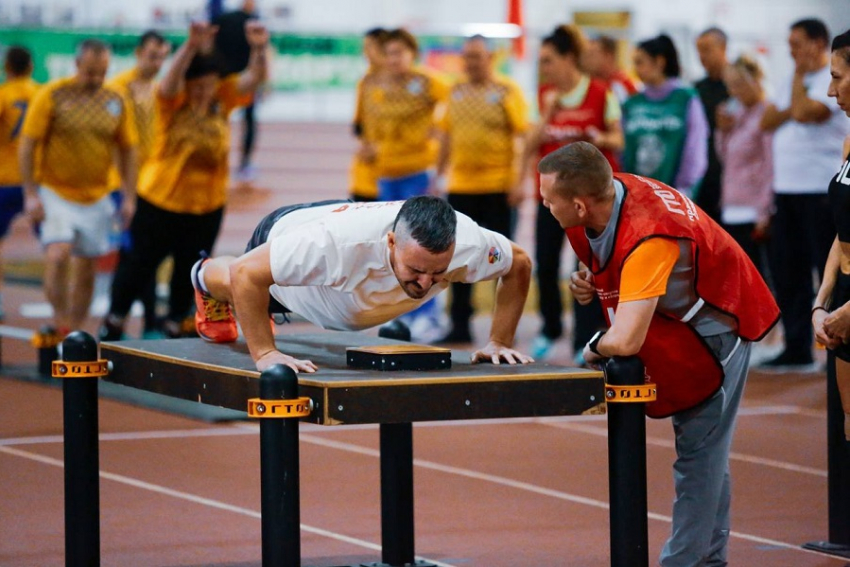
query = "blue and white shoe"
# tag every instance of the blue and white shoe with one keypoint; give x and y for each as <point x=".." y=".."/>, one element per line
<point x="542" y="348"/>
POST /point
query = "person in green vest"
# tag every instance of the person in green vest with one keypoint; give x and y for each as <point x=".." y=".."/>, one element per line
<point x="666" y="130"/>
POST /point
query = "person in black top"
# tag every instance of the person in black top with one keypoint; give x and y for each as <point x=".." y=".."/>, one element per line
<point x="711" y="46"/>
<point x="831" y="311"/>
<point x="233" y="50"/>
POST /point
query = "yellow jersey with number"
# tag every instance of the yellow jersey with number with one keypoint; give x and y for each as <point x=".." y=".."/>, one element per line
<point x="15" y="97"/>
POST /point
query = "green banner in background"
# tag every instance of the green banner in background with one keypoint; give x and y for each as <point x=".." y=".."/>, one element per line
<point x="298" y="63"/>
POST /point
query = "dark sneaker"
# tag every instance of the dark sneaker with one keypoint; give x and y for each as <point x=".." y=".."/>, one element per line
<point x="789" y="362"/>
<point x="455" y="336"/>
<point x="111" y="330"/>
<point x="214" y="320"/>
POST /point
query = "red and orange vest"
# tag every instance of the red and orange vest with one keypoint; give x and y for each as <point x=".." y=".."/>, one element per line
<point x="677" y="359"/>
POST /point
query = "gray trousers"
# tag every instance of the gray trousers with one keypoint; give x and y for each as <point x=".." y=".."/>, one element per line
<point x="700" y="530"/>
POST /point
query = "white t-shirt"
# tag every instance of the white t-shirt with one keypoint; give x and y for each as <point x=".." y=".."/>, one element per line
<point x="331" y="264"/>
<point x="806" y="156"/>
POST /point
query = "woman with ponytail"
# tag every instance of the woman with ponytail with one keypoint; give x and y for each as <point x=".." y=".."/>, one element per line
<point x="573" y="107"/>
<point x="666" y="131"/>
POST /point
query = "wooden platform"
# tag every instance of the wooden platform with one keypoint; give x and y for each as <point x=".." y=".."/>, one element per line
<point x="224" y="375"/>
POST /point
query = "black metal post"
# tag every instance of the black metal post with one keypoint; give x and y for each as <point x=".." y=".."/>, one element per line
<point x="627" y="468"/>
<point x="47" y="341"/>
<point x="279" y="474"/>
<point x="397" y="529"/>
<point x="838" y="466"/>
<point x="82" y="463"/>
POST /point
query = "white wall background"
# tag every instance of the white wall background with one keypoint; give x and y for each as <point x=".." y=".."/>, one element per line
<point x="751" y="24"/>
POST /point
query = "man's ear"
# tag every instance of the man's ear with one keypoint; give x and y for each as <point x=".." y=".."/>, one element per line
<point x="391" y="239"/>
<point x="581" y="207"/>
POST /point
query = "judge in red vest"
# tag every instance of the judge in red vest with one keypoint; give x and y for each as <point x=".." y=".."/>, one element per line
<point x="679" y="293"/>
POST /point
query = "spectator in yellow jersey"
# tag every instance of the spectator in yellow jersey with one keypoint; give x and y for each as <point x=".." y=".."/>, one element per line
<point x="76" y="124"/>
<point x="138" y="86"/>
<point x="15" y="95"/>
<point x="403" y="103"/>
<point x="480" y="146"/>
<point x="363" y="174"/>
<point x="183" y="185"/>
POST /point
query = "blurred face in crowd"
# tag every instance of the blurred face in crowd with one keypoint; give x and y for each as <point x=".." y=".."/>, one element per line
<point x="200" y="91"/>
<point x="596" y="60"/>
<point x="399" y="57"/>
<point x="742" y="86"/>
<point x="554" y="67"/>
<point x="373" y="52"/>
<point x="476" y="60"/>
<point x="839" y="86"/>
<point x="91" y="68"/>
<point x="805" y="51"/>
<point x="151" y="56"/>
<point x="649" y="69"/>
<point x="712" y="54"/>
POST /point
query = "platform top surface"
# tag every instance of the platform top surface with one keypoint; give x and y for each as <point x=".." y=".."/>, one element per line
<point x="327" y="351"/>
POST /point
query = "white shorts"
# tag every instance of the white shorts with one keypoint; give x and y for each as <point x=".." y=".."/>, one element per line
<point x="86" y="227"/>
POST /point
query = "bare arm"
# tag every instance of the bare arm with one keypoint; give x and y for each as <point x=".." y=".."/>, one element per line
<point x="26" y="160"/>
<point x="257" y="71"/>
<point x="128" y="167"/>
<point x="521" y="164"/>
<point x="628" y="332"/>
<point x="511" y="293"/>
<point x="820" y="316"/>
<point x="804" y="109"/>
<point x="773" y="118"/>
<point x="200" y="35"/>
<point x="610" y="139"/>
<point x="250" y="278"/>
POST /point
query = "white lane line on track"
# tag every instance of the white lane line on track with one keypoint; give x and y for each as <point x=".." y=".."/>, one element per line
<point x="519" y="485"/>
<point x="204" y="501"/>
<point x="668" y="444"/>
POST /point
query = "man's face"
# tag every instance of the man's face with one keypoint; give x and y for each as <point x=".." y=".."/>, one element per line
<point x="712" y="54"/>
<point x="399" y="57"/>
<point x="476" y="60"/>
<point x="595" y="58"/>
<point x="804" y="50"/>
<point x="373" y="52"/>
<point x="417" y="269"/>
<point x="91" y="69"/>
<point x="151" y="56"/>
<point x="564" y="209"/>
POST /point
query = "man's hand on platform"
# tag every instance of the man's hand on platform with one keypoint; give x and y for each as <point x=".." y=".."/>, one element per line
<point x="276" y="357"/>
<point x="495" y="353"/>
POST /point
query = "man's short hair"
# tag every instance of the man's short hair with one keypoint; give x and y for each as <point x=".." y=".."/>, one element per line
<point x="91" y="45"/>
<point x="607" y="44"/>
<point x="813" y="28"/>
<point x="405" y="37"/>
<point x="430" y="221"/>
<point x="151" y="35"/>
<point x="378" y="34"/>
<point x="580" y="171"/>
<point x="716" y="33"/>
<point x="18" y="60"/>
<point x="204" y="64"/>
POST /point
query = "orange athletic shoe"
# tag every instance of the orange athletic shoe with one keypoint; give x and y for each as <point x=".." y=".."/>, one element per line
<point x="214" y="320"/>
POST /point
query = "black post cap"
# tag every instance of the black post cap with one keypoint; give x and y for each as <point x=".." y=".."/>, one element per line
<point x="625" y="371"/>
<point x="278" y="382"/>
<point x="79" y="346"/>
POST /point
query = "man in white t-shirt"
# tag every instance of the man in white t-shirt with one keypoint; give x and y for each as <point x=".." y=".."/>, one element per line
<point x="809" y="131"/>
<point x="351" y="266"/>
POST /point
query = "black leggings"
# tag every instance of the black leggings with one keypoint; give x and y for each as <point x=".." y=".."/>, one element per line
<point x="156" y="234"/>
<point x="840" y="296"/>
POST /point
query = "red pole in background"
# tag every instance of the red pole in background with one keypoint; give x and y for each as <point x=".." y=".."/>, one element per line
<point x="515" y="17"/>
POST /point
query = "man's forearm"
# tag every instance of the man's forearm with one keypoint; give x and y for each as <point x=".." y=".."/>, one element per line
<point x="129" y="172"/>
<point x="511" y="293"/>
<point x="251" y="302"/>
<point x="256" y="72"/>
<point x="25" y="164"/>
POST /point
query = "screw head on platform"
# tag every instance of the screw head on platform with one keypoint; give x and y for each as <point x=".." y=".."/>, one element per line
<point x="261" y="408"/>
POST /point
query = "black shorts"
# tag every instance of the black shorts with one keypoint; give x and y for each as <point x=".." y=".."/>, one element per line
<point x="840" y="296"/>
<point x="261" y="235"/>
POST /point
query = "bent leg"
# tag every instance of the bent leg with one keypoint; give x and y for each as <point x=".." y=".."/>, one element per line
<point x="57" y="261"/>
<point x="80" y="290"/>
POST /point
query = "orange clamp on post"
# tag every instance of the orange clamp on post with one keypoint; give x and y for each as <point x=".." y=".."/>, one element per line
<point x="96" y="369"/>
<point x="45" y="339"/>
<point x="644" y="393"/>
<point x="281" y="409"/>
